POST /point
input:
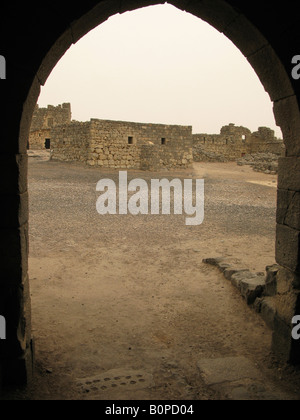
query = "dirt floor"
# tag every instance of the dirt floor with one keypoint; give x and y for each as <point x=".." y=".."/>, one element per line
<point x="123" y="306"/>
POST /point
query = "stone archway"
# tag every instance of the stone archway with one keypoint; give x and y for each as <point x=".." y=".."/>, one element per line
<point x="267" y="55"/>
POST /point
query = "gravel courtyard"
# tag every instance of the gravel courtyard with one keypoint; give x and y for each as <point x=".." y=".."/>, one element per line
<point x="123" y="306"/>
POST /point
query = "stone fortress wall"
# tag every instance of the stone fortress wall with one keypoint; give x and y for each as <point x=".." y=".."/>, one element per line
<point x="119" y="144"/>
<point x="129" y="145"/>
<point x="110" y="144"/>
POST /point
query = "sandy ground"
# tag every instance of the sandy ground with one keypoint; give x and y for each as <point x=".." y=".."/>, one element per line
<point x="126" y="300"/>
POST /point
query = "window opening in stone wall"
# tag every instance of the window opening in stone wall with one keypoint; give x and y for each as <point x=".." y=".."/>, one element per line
<point x="163" y="141"/>
<point x="47" y="144"/>
<point x="130" y="140"/>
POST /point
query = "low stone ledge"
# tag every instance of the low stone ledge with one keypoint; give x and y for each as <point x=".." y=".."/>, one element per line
<point x="266" y="307"/>
<point x="256" y="288"/>
<point x="241" y="277"/>
<point x="252" y="288"/>
<point x="271" y="280"/>
<point x="251" y="285"/>
<point x="230" y="271"/>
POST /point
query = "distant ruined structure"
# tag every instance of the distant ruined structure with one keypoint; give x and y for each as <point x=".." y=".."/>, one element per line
<point x="110" y="144"/>
<point x="124" y="145"/>
<point x="234" y="143"/>
<point x="43" y="120"/>
<point x="119" y="144"/>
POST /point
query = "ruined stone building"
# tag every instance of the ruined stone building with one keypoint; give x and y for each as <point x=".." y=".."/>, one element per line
<point x="235" y="142"/>
<point x="124" y="145"/>
<point x="110" y="144"/>
<point x="118" y="144"/>
<point x="43" y="120"/>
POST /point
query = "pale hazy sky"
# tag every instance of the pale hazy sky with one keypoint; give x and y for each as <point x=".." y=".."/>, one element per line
<point x="160" y="65"/>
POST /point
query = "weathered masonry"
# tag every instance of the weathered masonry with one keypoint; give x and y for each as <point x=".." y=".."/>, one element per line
<point x="30" y="58"/>
<point x="235" y="142"/>
<point x="119" y="144"/>
<point x="43" y="120"/>
<point x="110" y="144"/>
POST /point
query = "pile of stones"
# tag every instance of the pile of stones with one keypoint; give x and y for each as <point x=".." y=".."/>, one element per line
<point x="261" y="162"/>
<point x="202" y="155"/>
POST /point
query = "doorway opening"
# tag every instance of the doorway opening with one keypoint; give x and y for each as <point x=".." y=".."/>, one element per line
<point x="148" y="277"/>
<point x="283" y="98"/>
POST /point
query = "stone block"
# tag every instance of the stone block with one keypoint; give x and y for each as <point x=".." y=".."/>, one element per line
<point x="223" y="266"/>
<point x="289" y="174"/>
<point x="245" y="36"/>
<point x="286" y="112"/>
<point x="281" y="339"/>
<point x="229" y="271"/>
<point x="288" y="248"/>
<point x="288" y="208"/>
<point x="213" y="261"/>
<point x="287" y="305"/>
<point x="287" y="281"/>
<point x="54" y="55"/>
<point x="271" y="73"/>
<point x="268" y="311"/>
<point x="271" y="280"/>
<point x="251" y="288"/>
<point x="240" y="276"/>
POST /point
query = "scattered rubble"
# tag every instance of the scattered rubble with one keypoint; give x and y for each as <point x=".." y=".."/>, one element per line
<point x="261" y="162"/>
<point x="201" y="154"/>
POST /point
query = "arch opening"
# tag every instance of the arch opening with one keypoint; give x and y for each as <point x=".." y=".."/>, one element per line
<point x="277" y="83"/>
